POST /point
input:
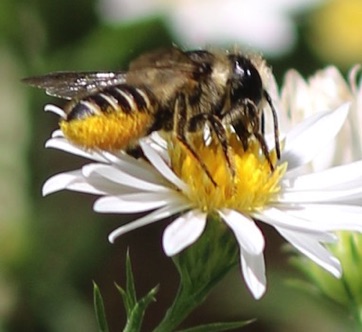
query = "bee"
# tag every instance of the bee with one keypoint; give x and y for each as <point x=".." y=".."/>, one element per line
<point x="180" y="92"/>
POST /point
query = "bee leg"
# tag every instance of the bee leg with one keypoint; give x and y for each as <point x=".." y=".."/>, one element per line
<point x="264" y="149"/>
<point x="188" y="147"/>
<point x="262" y="123"/>
<point x="253" y="127"/>
<point x="275" y="120"/>
<point x="136" y="152"/>
<point x="180" y="126"/>
<point x="256" y="130"/>
<point x="245" y="121"/>
<point x="220" y="132"/>
<point x="242" y="133"/>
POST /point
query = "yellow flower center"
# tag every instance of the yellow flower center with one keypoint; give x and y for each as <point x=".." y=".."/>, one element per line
<point x="250" y="189"/>
<point x="338" y="22"/>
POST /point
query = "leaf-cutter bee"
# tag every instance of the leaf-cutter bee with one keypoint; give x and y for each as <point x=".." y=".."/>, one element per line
<point x="176" y="91"/>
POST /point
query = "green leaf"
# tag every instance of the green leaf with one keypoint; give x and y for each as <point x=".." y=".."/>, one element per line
<point x="99" y="309"/>
<point x="129" y="296"/>
<point x="130" y="285"/>
<point x="217" y="327"/>
<point x="125" y="299"/>
<point x="135" y="309"/>
<point x="134" y="321"/>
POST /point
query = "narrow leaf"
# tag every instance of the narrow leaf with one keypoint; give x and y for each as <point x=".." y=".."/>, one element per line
<point x="129" y="294"/>
<point x="217" y="327"/>
<point x="125" y="299"/>
<point x="135" y="319"/>
<point x="130" y="285"/>
<point x="99" y="309"/>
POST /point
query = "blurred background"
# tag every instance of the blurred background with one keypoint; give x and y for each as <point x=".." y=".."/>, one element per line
<point x="52" y="248"/>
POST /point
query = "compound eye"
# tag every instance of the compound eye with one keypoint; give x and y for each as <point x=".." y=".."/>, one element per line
<point x="246" y="82"/>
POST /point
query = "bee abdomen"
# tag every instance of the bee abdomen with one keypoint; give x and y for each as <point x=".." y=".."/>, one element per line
<point x="121" y="98"/>
<point x="113" y="119"/>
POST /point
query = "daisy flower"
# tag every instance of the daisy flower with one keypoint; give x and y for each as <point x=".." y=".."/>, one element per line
<point x="267" y="26"/>
<point x="326" y="89"/>
<point x="305" y="209"/>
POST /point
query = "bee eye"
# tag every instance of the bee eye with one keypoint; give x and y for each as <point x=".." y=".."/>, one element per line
<point x="246" y="82"/>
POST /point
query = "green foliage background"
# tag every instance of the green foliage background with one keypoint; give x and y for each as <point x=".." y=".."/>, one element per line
<point x="51" y="249"/>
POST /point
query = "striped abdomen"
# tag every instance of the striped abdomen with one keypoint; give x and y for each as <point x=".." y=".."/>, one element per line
<point x="111" y="119"/>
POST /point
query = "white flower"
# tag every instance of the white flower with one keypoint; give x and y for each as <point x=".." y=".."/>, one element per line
<point x="304" y="209"/>
<point x="325" y="90"/>
<point x="263" y="25"/>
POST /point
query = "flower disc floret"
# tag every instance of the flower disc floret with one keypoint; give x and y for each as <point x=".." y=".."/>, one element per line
<point x="252" y="186"/>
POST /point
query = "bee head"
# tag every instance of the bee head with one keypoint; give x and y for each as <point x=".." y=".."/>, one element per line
<point x="246" y="82"/>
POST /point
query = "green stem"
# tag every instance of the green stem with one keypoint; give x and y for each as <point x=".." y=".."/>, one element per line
<point x="358" y="319"/>
<point x="201" y="267"/>
<point x="187" y="299"/>
<point x="181" y="308"/>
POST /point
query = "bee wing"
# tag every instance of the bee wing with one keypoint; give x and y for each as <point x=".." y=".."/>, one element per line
<point x="172" y="58"/>
<point x="163" y="65"/>
<point x="70" y="85"/>
<point x="165" y="70"/>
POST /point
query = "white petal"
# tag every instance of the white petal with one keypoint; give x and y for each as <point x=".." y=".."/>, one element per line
<point x="253" y="270"/>
<point x="55" y="109"/>
<point x="328" y="89"/>
<point x="64" y="145"/>
<point x="117" y="176"/>
<point x="87" y="187"/>
<point x="331" y="217"/>
<point x="152" y="217"/>
<point x="105" y="186"/>
<point x="156" y="160"/>
<point x="307" y="139"/>
<point x="223" y="21"/>
<point x="310" y="247"/>
<point x="75" y="181"/>
<point x="138" y="168"/>
<point x="353" y="78"/>
<point x="57" y="134"/>
<point x="137" y="202"/>
<point x="336" y="177"/>
<point x="159" y="144"/>
<point x="247" y="234"/>
<point x="183" y="232"/>
<point x="319" y="196"/>
<point x="279" y="218"/>
<point x="60" y="181"/>
<point x="295" y="98"/>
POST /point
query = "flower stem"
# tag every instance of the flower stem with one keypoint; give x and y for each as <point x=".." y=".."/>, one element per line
<point x="201" y="267"/>
<point x="185" y="302"/>
<point x="358" y="319"/>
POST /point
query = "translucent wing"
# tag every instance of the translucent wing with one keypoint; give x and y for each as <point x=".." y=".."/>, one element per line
<point x="190" y="64"/>
<point x="69" y="85"/>
<point x="170" y="67"/>
<point x="171" y="58"/>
